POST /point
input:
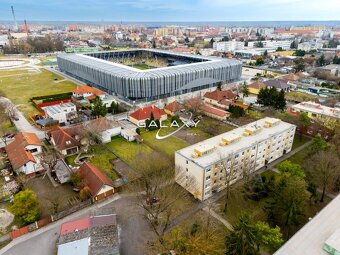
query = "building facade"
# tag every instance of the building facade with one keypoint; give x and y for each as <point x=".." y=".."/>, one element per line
<point x="316" y="111"/>
<point x="229" y="46"/>
<point x="207" y="167"/>
<point x="105" y="70"/>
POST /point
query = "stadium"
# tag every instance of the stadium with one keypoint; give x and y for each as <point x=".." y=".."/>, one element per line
<point x="148" y="74"/>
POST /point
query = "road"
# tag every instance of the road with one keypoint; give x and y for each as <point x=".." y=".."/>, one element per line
<point x="134" y="231"/>
<point x="22" y="124"/>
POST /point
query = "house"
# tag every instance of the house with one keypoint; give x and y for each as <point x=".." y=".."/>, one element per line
<point x="316" y="111"/>
<point x="207" y="109"/>
<point x="278" y="84"/>
<point x="100" y="185"/>
<point x="173" y="108"/>
<point x="104" y="128"/>
<point x="66" y="140"/>
<point x="255" y="87"/>
<point x="88" y="92"/>
<point x="142" y="114"/>
<point x="220" y="98"/>
<point x="63" y="113"/>
<point x="23" y="153"/>
<point x="89" y="236"/>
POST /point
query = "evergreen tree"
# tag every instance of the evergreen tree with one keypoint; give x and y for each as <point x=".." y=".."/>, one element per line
<point x="293" y="45"/>
<point x="212" y="42"/>
<point x="321" y="61"/>
<point x="299" y="65"/>
<point x="245" y="89"/>
<point x="336" y="60"/>
<point x="280" y="102"/>
<point x="98" y="109"/>
<point x="262" y="97"/>
<point x="265" y="53"/>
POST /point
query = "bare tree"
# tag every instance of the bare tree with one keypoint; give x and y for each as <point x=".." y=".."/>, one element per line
<point x="324" y="169"/>
<point x="157" y="193"/>
<point x="49" y="157"/>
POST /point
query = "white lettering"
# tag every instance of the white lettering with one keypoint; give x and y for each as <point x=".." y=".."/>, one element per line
<point x="174" y="124"/>
<point x="152" y="124"/>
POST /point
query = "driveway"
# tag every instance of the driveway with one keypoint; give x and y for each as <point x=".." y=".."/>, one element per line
<point x="134" y="231"/>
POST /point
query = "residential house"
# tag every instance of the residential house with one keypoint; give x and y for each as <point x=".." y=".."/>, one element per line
<point x="88" y="92"/>
<point x="23" y="153"/>
<point x="99" y="184"/>
<point x="142" y="114"/>
<point x="255" y="87"/>
<point x="173" y="108"/>
<point x="63" y="113"/>
<point x="66" y="140"/>
<point x="207" y="109"/>
<point x="104" y="128"/>
<point x="279" y="84"/>
<point x="220" y="98"/>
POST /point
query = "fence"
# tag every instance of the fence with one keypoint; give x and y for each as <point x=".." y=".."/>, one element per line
<point x="43" y="222"/>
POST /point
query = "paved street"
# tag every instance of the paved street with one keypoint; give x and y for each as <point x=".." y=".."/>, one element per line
<point x="133" y="230"/>
<point x="22" y="124"/>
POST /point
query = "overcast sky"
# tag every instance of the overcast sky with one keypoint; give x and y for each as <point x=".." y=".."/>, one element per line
<point x="171" y="10"/>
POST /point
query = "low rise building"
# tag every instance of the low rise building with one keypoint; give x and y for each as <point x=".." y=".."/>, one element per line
<point x="173" y="108"/>
<point x="204" y="167"/>
<point x="142" y="114"/>
<point x="24" y="153"/>
<point x="63" y="113"/>
<point x="315" y="110"/>
<point x="88" y="92"/>
<point x="279" y="84"/>
<point x="220" y="98"/>
<point x="104" y="128"/>
<point x="255" y="87"/>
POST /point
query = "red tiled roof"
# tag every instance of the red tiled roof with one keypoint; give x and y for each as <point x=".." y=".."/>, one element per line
<point x="87" y="89"/>
<point x="243" y="106"/>
<point x="16" y="151"/>
<point x="145" y="113"/>
<point x="70" y="227"/>
<point x="213" y="110"/>
<point x="94" y="177"/>
<point x="174" y="107"/>
<point x="64" y="138"/>
<point x="218" y="95"/>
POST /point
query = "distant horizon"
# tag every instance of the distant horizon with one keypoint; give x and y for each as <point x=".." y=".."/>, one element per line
<point x="174" y="11"/>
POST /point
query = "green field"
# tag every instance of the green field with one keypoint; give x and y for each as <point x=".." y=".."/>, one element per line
<point x="143" y="67"/>
<point x="21" y="86"/>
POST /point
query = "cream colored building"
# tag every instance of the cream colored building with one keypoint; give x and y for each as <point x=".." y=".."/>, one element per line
<point x="205" y="167"/>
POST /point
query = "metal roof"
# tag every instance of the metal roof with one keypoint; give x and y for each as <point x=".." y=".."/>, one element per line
<point x="130" y="72"/>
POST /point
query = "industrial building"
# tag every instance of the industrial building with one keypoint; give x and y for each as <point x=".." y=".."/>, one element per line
<point x="149" y="74"/>
<point x="205" y="167"/>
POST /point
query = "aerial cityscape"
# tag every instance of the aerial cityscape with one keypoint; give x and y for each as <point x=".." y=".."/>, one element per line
<point x="150" y="127"/>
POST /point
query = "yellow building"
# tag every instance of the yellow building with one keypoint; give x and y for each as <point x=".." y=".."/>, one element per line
<point x="255" y="87"/>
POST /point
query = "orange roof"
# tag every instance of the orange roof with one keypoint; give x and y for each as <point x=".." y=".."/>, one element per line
<point x="243" y="106"/>
<point x="213" y="110"/>
<point x="95" y="179"/>
<point x="145" y="113"/>
<point x="218" y="95"/>
<point x="64" y="137"/>
<point x="80" y="90"/>
<point x="174" y="107"/>
<point x="16" y="151"/>
<point x="77" y="225"/>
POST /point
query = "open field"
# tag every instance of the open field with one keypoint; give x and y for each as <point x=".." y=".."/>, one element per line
<point x="167" y="146"/>
<point x="300" y="96"/>
<point x="21" y="88"/>
<point x="127" y="151"/>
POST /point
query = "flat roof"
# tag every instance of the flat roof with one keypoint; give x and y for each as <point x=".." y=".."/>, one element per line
<point x="78" y="247"/>
<point x="319" y="109"/>
<point x="54" y="109"/>
<point x="262" y="132"/>
<point x="311" y="237"/>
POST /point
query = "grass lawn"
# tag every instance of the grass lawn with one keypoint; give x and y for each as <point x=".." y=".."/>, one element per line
<point x="22" y="87"/>
<point x="70" y="160"/>
<point x="298" y="141"/>
<point x="238" y="203"/>
<point x="300" y="156"/>
<point x="143" y="67"/>
<point x="213" y="127"/>
<point x="168" y="145"/>
<point x="300" y="96"/>
<point x="101" y="158"/>
<point x="127" y="151"/>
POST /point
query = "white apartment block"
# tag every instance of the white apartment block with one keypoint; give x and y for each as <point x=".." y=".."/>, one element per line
<point x="285" y="44"/>
<point x="204" y="167"/>
<point x="308" y="46"/>
<point x="229" y="46"/>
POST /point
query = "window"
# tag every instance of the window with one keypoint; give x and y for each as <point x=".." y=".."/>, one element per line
<point x="207" y="186"/>
<point x="207" y="178"/>
<point x="253" y="148"/>
<point x="187" y="162"/>
<point x="243" y="153"/>
<point x="237" y="155"/>
<point x="187" y="170"/>
<point x="34" y="150"/>
<point x="208" y="170"/>
<point x="207" y="193"/>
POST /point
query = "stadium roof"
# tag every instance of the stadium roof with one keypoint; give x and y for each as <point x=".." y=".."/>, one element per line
<point x="127" y="71"/>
